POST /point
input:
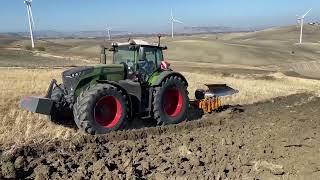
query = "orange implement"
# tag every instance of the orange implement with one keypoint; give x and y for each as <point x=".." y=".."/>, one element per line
<point x="208" y="105"/>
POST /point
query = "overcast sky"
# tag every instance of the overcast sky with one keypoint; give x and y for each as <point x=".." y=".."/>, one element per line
<point x="150" y="15"/>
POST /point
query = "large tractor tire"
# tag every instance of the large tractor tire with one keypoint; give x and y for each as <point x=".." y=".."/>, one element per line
<point x="170" y="101"/>
<point x="60" y="114"/>
<point x="101" y="109"/>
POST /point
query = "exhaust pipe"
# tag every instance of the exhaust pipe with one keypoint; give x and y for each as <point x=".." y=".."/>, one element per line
<point x="103" y="56"/>
<point x="159" y="40"/>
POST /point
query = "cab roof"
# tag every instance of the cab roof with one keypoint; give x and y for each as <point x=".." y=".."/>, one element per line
<point x="137" y="42"/>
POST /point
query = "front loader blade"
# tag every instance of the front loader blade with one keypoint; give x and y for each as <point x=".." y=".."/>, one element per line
<point x="220" y="90"/>
<point x="37" y="105"/>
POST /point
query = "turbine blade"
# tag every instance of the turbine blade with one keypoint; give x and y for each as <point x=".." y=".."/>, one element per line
<point x="177" y="21"/>
<point x="306" y="13"/>
<point x="171" y="14"/>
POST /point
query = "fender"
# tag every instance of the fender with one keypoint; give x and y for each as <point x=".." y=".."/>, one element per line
<point x="157" y="78"/>
<point x="79" y="78"/>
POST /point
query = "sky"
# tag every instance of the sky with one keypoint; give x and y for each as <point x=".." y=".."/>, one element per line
<point x="152" y="15"/>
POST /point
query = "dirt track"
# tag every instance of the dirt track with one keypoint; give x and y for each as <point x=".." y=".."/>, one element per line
<point x="275" y="139"/>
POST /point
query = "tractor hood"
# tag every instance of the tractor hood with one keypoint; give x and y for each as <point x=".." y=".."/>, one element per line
<point x="78" y="77"/>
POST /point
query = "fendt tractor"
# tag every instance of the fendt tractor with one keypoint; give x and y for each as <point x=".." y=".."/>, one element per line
<point x="138" y="83"/>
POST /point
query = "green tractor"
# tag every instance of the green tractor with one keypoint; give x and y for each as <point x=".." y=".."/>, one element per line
<point x="103" y="98"/>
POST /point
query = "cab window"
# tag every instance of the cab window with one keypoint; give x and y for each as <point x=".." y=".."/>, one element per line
<point x="123" y="54"/>
<point x="153" y="56"/>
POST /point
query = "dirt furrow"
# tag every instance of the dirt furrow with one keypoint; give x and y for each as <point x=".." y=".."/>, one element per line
<point x="274" y="139"/>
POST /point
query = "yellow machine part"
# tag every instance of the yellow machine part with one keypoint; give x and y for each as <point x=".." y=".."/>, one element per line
<point x="208" y="105"/>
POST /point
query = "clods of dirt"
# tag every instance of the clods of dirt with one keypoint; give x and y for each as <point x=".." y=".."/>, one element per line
<point x="273" y="139"/>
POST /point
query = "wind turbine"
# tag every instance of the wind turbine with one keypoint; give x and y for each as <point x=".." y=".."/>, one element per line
<point x="30" y="19"/>
<point x="108" y="29"/>
<point x="298" y="21"/>
<point x="301" y="19"/>
<point x="173" y="20"/>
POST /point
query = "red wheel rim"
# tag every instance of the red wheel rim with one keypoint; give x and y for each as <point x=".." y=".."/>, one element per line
<point x="172" y="102"/>
<point x="108" y="111"/>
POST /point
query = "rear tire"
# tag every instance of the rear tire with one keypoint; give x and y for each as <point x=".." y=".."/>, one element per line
<point x="101" y="109"/>
<point x="170" y="101"/>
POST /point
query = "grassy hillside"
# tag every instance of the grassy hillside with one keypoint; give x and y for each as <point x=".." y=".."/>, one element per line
<point x="285" y="34"/>
<point x="6" y="40"/>
<point x="273" y="49"/>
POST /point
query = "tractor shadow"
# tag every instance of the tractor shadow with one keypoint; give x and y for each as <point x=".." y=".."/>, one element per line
<point x="197" y="114"/>
<point x="69" y="123"/>
<point x="194" y="114"/>
<point x="139" y="123"/>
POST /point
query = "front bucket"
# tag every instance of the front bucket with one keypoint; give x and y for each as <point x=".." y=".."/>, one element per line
<point x="219" y="90"/>
<point x="37" y="105"/>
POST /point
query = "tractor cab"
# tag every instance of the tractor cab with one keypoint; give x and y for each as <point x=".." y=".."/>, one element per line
<point x="141" y="59"/>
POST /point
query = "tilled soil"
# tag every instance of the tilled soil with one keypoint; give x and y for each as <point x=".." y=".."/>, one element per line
<point x="277" y="139"/>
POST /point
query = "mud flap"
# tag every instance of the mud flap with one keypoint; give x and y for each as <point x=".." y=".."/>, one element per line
<point x="39" y="105"/>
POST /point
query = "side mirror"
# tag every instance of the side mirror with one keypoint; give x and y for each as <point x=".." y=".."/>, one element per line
<point x="165" y="65"/>
<point x="165" y="48"/>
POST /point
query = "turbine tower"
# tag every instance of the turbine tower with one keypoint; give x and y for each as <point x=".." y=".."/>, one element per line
<point x="301" y="19"/>
<point x="108" y="29"/>
<point x="298" y="21"/>
<point x="30" y="19"/>
<point x="173" y="20"/>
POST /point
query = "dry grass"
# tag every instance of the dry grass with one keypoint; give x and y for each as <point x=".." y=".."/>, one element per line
<point x="18" y="126"/>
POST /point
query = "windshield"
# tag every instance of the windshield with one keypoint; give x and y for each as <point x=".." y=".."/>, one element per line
<point x="124" y="55"/>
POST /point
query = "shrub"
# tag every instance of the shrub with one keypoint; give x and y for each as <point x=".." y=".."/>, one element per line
<point x="28" y="47"/>
<point x="41" y="48"/>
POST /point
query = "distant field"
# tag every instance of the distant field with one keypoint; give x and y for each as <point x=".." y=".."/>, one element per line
<point x="17" y="58"/>
<point x="269" y="50"/>
<point x="7" y="40"/>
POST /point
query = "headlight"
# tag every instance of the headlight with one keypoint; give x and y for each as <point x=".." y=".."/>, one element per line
<point x="74" y="75"/>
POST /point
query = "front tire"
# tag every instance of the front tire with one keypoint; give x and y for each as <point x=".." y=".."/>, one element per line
<point x="101" y="109"/>
<point x="170" y="101"/>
